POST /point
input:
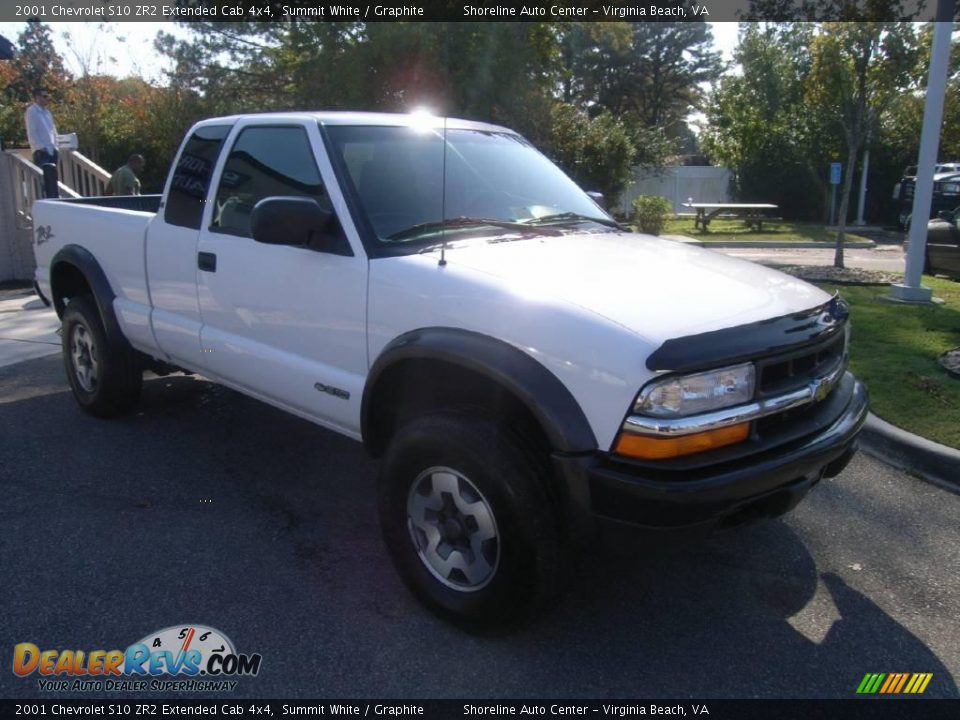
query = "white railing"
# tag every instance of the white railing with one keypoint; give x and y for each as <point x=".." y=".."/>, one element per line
<point x="27" y="187"/>
<point x="78" y="177"/>
<point x="82" y="174"/>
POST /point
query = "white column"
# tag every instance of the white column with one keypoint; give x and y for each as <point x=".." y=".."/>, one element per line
<point x="910" y="289"/>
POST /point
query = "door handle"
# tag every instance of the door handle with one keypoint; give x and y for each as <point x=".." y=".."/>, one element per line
<point x="207" y="261"/>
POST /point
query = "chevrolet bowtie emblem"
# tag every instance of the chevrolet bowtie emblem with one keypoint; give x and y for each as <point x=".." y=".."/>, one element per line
<point x="821" y="388"/>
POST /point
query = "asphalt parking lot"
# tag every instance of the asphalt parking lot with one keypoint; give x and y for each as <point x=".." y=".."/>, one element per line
<point x="208" y="507"/>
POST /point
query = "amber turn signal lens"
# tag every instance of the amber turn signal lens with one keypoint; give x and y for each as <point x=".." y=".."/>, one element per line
<point x="658" y="448"/>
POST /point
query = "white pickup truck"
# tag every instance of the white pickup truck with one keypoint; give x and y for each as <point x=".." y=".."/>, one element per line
<point x="437" y="289"/>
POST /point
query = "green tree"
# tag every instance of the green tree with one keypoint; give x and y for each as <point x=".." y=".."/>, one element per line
<point x="650" y="71"/>
<point x="904" y="115"/>
<point x="759" y="126"/>
<point x="37" y="63"/>
<point x="857" y="70"/>
<point x="598" y="152"/>
<point x="506" y="73"/>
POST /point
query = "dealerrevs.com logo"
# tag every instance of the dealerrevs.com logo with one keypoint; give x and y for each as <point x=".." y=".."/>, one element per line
<point x="199" y="657"/>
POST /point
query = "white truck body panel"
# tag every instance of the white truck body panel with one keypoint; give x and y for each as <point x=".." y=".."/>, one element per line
<point x="116" y="238"/>
<point x="581" y="304"/>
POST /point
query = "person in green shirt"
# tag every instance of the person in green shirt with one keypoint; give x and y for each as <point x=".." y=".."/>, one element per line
<point x="125" y="181"/>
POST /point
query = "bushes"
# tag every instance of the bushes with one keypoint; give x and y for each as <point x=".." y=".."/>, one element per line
<point x="650" y="213"/>
<point x="597" y="152"/>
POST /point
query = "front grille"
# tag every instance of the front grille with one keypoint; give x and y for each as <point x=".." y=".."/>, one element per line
<point x="783" y="373"/>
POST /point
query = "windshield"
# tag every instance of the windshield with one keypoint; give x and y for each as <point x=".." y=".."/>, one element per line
<point x="398" y="175"/>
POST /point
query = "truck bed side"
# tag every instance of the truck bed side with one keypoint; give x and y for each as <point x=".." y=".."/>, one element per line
<point x="113" y="231"/>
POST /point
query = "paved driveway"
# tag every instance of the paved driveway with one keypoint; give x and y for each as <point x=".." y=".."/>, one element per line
<point x="207" y="507"/>
<point x="883" y="258"/>
<point x="28" y="328"/>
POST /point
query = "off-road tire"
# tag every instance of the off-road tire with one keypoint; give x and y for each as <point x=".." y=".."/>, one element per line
<point x="504" y="474"/>
<point x="105" y="379"/>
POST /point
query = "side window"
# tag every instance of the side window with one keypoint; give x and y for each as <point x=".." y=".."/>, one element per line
<point x="265" y="162"/>
<point x="191" y="176"/>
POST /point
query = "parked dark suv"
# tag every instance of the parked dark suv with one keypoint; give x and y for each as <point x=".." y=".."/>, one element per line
<point x="943" y="244"/>
<point x="946" y="190"/>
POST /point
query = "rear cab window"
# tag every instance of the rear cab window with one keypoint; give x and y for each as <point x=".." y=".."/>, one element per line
<point x="191" y="176"/>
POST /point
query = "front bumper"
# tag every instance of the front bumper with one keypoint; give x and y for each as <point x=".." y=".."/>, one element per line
<point x="765" y="484"/>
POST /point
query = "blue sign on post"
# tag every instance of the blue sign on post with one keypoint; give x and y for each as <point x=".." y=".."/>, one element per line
<point x="834" y="173"/>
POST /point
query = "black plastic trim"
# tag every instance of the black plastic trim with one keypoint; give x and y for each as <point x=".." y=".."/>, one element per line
<point x="540" y="391"/>
<point x="43" y="298"/>
<point x="207" y="262"/>
<point x="752" y="341"/>
<point x="634" y="496"/>
<point x="84" y="261"/>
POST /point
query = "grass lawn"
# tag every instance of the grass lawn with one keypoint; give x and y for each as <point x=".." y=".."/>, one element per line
<point x="773" y="230"/>
<point x="894" y="350"/>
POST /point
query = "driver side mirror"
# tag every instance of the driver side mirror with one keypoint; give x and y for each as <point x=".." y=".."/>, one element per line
<point x="297" y="221"/>
<point x="946" y="215"/>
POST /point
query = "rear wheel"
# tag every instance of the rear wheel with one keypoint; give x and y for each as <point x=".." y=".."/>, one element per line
<point x="105" y="379"/>
<point x="468" y="519"/>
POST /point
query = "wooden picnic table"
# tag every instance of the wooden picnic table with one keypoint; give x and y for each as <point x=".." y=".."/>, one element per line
<point x="752" y="213"/>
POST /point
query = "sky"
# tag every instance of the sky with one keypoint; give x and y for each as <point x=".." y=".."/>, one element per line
<point x="127" y="48"/>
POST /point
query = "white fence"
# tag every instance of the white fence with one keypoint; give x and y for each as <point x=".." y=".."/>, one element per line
<point x="21" y="182"/>
<point x="678" y="184"/>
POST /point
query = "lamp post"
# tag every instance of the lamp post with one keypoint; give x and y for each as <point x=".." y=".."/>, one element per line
<point x="910" y="290"/>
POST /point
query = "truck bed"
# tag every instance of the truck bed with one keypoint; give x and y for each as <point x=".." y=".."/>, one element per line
<point x="139" y="203"/>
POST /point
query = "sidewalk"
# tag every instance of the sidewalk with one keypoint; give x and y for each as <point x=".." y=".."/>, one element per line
<point x="883" y="253"/>
<point x="777" y="244"/>
<point x="28" y="328"/>
<point x="883" y="258"/>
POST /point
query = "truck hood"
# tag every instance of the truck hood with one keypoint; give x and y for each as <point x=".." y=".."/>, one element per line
<point x="658" y="289"/>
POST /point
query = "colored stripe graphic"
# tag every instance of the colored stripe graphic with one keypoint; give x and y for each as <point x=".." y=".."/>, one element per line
<point x="894" y="683"/>
<point x="903" y="681"/>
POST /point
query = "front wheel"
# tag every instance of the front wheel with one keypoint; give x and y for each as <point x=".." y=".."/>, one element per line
<point x="105" y="379"/>
<point x="468" y="519"/>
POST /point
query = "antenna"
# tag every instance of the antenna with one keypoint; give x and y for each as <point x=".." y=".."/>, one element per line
<point x="443" y="198"/>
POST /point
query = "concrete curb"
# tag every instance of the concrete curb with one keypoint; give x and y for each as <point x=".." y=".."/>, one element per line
<point x="924" y="458"/>
<point x="772" y="245"/>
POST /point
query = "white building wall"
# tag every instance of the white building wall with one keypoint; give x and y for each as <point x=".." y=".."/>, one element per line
<point x="678" y="184"/>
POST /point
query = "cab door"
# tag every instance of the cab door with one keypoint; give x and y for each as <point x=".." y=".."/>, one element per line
<point x="171" y="252"/>
<point x="283" y="323"/>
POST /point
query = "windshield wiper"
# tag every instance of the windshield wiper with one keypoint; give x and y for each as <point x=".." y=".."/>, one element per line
<point x="571" y="217"/>
<point x="459" y="222"/>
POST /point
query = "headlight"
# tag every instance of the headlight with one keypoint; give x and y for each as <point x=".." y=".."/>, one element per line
<point x="693" y="394"/>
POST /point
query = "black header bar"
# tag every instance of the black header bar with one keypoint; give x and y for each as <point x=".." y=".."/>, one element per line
<point x="467" y="10"/>
<point x="232" y="707"/>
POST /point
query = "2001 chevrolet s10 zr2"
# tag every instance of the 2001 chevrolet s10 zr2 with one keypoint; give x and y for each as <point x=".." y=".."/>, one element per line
<point x="439" y="290"/>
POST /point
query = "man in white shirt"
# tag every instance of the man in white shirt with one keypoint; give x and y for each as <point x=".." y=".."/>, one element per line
<point x="42" y="136"/>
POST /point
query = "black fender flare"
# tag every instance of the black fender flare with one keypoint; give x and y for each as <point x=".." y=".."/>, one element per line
<point x="103" y="295"/>
<point x="539" y="390"/>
